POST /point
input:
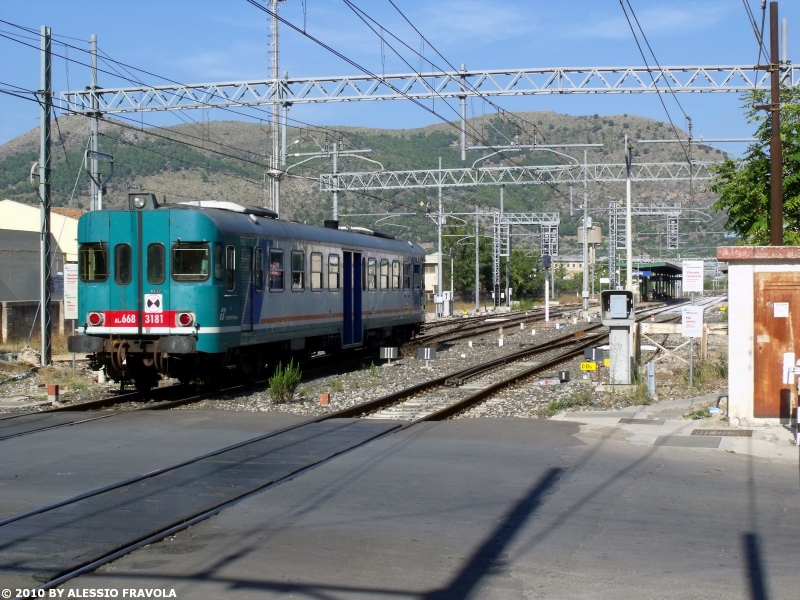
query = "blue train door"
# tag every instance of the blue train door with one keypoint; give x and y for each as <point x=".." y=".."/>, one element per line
<point x="153" y="276"/>
<point x="352" y="330"/>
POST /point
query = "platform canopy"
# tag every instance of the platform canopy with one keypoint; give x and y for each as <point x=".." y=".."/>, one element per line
<point x="657" y="280"/>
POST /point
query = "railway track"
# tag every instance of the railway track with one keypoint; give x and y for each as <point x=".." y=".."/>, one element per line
<point x="19" y="424"/>
<point x="41" y="544"/>
<point x="484" y="325"/>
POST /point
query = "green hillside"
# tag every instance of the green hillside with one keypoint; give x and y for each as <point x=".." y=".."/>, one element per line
<point x="226" y="161"/>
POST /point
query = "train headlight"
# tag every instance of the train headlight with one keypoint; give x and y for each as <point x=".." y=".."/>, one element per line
<point x="96" y="319"/>
<point x="185" y="319"/>
<point x="139" y="202"/>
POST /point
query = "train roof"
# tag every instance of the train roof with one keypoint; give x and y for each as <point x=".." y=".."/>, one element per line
<point x="246" y="223"/>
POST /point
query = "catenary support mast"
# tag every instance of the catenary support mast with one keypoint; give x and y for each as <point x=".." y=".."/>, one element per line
<point x="45" y="102"/>
<point x="94" y="168"/>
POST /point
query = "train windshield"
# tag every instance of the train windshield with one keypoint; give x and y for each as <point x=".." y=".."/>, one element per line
<point x="94" y="262"/>
<point x="190" y="261"/>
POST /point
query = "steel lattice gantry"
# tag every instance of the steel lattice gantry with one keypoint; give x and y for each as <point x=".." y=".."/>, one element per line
<point x="517" y="175"/>
<point x="617" y="235"/>
<point x="735" y="79"/>
<point x="501" y="239"/>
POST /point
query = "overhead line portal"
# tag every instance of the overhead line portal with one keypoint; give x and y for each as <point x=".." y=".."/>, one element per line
<point x="735" y="79"/>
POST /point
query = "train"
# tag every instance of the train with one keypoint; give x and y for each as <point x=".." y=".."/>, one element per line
<point x="202" y="289"/>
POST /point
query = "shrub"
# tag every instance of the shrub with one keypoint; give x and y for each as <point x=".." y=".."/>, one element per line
<point x="556" y="406"/>
<point x="284" y="382"/>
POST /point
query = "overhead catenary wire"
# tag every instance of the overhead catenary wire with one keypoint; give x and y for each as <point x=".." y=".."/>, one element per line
<point x="644" y="58"/>
<point x="137" y="81"/>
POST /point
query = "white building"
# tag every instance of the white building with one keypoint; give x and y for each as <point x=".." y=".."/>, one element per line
<point x="26" y="217"/>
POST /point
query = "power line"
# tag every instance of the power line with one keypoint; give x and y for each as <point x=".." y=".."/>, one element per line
<point x="135" y="80"/>
<point x="644" y="58"/>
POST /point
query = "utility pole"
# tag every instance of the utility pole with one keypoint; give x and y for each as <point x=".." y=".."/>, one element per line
<point x="628" y="228"/>
<point x="335" y="215"/>
<point x="463" y="101"/>
<point x="585" y="292"/>
<point x="45" y="102"/>
<point x="275" y="187"/>
<point x="508" y="248"/>
<point x="439" y="280"/>
<point x="477" y="264"/>
<point x="775" y="154"/>
<point x="284" y="129"/>
<point x="94" y="202"/>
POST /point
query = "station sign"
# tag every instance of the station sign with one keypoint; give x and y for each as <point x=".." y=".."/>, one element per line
<point x="692" y="276"/>
<point x="692" y="322"/>
<point x="70" y="291"/>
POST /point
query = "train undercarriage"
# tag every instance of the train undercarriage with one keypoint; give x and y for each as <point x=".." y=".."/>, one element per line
<point x="144" y="361"/>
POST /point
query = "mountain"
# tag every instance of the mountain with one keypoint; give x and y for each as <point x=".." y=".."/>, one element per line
<point x="225" y="160"/>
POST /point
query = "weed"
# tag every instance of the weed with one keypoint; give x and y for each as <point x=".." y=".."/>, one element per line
<point x="722" y="369"/>
<point x="65" y="379"/>
<point x="525" y="304"/>
<point x="696" y="415"/>
<point x="640" y="395"/>
<point x="556" y="406"/>
<point x="284" y="382"/>
<point x="373" y="370"/>
<point x="337" y="385"/>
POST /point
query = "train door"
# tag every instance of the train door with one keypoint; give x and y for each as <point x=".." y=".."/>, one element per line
<point x="153" y="279"/>
<point x="352" y="329"/>
<point x="125" y="310"/>
<point x="247" y="282"/>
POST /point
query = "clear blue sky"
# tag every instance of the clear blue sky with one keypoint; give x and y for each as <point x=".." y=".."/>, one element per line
<point x="205" y="41"/>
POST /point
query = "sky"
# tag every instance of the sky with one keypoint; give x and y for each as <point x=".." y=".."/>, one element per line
<point x="205" y="41"/>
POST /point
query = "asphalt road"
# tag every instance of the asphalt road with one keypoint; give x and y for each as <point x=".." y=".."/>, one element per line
<point x="478" y="508"/>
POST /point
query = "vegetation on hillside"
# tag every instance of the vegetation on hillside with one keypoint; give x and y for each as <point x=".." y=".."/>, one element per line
<point x="211" y="169"/>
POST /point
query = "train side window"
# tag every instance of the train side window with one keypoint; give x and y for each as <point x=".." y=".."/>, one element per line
<point x="276" y="270"/>
<point x="384" y="274"/>
<point x="333" y="271"/>
<point x="316" y="271"/>
<point x="122" y="264"/>
<point x="190" y="261"/>
<point x="416" y="276"/>
<point x="93" y="261"/>
<point x="258" y="268"/>
<point x="156" y="267"/>
<point x="298" y="271"/>
<point x="230" y="268"/>
<point x="395" y="274"/>
<point x="219" y="262"/>
<point x="372" y="274"/>
<point x="406" y="275"/>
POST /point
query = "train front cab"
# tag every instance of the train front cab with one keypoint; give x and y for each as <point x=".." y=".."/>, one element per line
<point x="140" y="304"/>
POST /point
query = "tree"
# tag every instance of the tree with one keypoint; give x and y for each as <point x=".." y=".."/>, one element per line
<point x="745" y="194"/>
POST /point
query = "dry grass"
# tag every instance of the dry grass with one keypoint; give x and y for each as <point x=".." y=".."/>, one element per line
<point x="58" y="344"/>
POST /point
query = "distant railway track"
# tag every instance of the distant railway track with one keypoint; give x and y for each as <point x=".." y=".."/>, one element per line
<point x="484" y="325"/>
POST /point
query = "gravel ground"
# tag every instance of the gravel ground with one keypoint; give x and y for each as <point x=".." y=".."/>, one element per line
<point x="346" y="389"/>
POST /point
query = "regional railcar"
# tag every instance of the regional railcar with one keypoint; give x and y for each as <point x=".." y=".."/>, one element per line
<point x="197" y="290"/>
